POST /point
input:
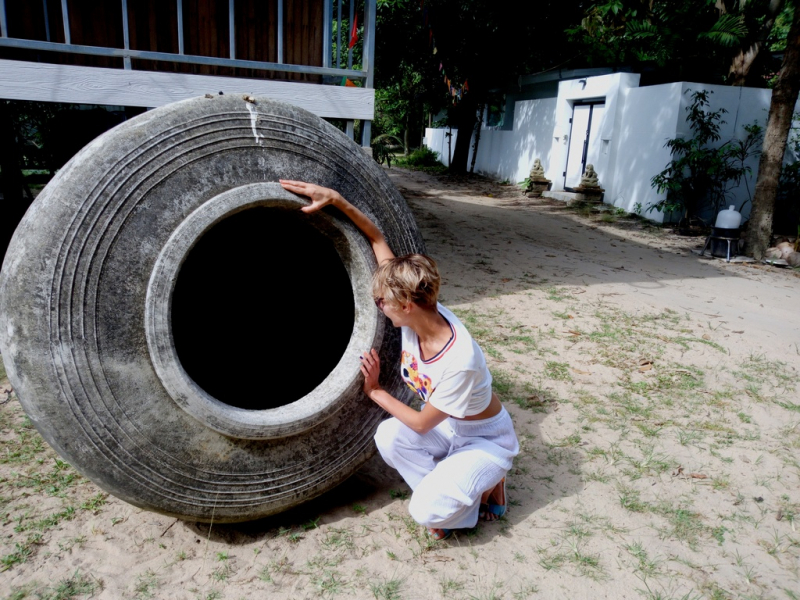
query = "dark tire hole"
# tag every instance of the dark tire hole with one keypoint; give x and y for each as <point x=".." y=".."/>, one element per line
<point x="262" y="310"/>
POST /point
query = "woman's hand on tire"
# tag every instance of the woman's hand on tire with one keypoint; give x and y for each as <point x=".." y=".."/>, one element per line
<point x="371" y="369"/>
<point x="319" y="196"/>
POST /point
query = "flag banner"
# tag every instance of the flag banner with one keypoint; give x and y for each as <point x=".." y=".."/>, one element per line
<point x="354" y="31"/>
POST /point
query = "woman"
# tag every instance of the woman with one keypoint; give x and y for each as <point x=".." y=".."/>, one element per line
<point x="455" y="452"/>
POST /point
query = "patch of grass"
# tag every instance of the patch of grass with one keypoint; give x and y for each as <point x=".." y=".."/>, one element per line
<point x="387" y="590"/>
<point x="338" y="538"/>
<point x="557" y="370"/>
<point x="502" y="382"/>
<point x="145" y="586"/>
<point x="644" y="565"/>
<point x="398" y="494"/>
<point x="555" y="294"/>
<point x="71" y="587"/>
<point x="630" y="499"/>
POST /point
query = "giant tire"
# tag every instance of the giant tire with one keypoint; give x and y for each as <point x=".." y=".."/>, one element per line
<point x="85" y="301"/>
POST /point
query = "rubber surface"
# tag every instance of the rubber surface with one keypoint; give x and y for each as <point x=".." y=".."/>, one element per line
<point x="85" y="298"/>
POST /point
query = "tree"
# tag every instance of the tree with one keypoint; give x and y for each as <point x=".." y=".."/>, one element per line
<point x="781" y="109"/>
<point x="714" y="41"/>
<point x="750" y="62"/>
<point x="406" y="74"/>
<point x="490" y="45"/>
<point x="486" y="43"/>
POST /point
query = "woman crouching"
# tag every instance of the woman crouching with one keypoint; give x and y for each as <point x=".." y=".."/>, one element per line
<point x="456" y="451"/>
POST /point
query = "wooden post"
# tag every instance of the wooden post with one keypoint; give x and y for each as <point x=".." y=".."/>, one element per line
<point x="232" y="28"/>
<point x="126" y="60"/>
<point x="3" y="24"/>
<point x="280" y="31"/>
<point x="65" y="18"/>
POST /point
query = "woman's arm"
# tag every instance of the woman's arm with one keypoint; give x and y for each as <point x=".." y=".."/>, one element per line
<point x="419" y="421"/>
<point x="321" y="196"/>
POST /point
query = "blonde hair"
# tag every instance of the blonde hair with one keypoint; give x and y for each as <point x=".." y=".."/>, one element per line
<point x="411" y="278"/>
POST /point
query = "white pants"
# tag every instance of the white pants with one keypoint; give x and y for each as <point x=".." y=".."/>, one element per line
<point x="449" y="467"/>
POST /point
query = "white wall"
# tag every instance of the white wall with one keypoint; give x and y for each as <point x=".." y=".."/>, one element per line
<point x="509" y="155"/>
<point x="650" y="118"/>
<point x="436" y="140"/>
<point x="744" y="105"/>
<point x="653" y="115"/>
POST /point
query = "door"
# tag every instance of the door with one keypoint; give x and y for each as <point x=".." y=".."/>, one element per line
<point x="584" y="143"/>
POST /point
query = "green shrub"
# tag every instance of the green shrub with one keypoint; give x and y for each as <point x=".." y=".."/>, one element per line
<point x="424" y="158"/>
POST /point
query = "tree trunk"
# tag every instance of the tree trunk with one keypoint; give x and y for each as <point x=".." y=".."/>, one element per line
<point x="466" y="115"/>
<point x="478" y="125"/>
<point x="781" y="109"/>
<point x="742" y="63"/>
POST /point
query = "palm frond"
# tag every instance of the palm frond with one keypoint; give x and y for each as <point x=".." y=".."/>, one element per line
<point x="642" y="29"/>
<point x="728" y="31"/>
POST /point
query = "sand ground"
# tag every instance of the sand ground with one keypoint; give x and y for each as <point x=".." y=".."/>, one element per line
<point x="655" y="395"/>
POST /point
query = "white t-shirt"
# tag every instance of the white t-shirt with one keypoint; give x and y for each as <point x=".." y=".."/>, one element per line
<point x="456" y="380"/>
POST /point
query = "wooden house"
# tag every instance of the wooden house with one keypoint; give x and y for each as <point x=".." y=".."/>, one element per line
<point x="146" y="53"/>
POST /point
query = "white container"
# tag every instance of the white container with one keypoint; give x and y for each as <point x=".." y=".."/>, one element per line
<point x="729" y="218"/>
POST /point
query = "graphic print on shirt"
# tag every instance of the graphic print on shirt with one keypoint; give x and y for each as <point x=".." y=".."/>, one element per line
<point x="420" y="383"/>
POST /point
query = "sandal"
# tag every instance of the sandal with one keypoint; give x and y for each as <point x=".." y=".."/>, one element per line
<point x="439" y="535"/>
<point x="499" y="510"/>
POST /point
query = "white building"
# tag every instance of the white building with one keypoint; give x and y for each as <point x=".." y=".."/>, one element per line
<point x="610" y="122"/>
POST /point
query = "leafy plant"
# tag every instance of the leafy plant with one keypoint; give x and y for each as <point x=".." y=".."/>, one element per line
<point x="700" y="174"/>
<point x="423" y="159"/>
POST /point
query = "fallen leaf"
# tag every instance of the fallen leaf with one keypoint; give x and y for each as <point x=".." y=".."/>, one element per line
<point x="645" y="367"/>
<point x="678" y="472"/>
<point x="698" y="476"/>
<point x="550" y="255"/>
<point x="779" y="516"/>
<point x="581" y="372"/>
<point x="578" y="291"/>
<point x="505" y="280"/>
<point x="744" y="458"/>
<point x="706" y="336"/>
<point x="662" y="338"/>
<point x="739" y="331"/>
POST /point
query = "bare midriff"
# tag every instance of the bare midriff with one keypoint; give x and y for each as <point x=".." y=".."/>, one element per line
<point x="487" y="413"/>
